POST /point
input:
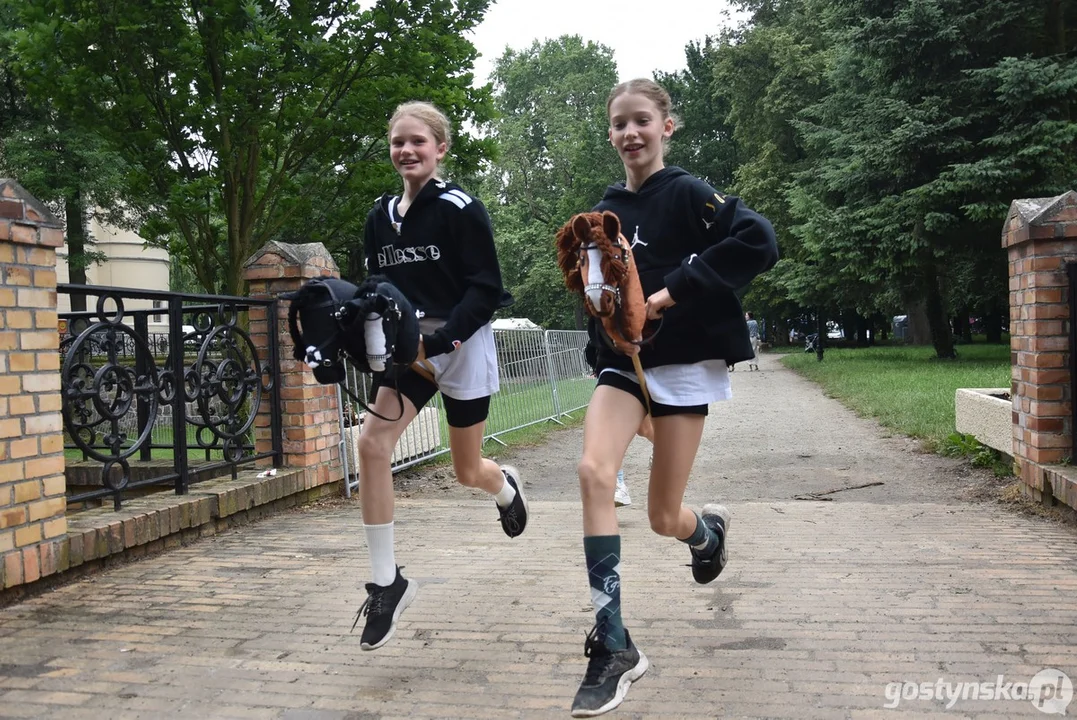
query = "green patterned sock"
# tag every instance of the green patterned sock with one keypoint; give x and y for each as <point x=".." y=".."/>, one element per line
<point x="603" y="553"/>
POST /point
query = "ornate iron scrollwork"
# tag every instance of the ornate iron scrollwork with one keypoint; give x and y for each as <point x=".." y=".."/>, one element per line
<point x="98" y="392"/>
<point x="226" y="385"/>
<point x="129" y="392"/>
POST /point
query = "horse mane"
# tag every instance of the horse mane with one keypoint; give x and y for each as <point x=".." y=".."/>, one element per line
<point x="618" y="269"/>
<point x="568" y="256"/>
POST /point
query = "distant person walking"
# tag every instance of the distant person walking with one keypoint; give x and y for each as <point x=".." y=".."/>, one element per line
<point x="753" y="335"/>
<point x="621" y="497"/>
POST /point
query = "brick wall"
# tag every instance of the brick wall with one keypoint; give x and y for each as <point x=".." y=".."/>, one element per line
<point x="1040" y="237"/>
<point x="310" y="418"/>
<point x="32" y="503"/>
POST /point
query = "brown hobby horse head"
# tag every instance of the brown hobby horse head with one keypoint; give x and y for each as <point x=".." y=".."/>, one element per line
<point x="597" y="262"/>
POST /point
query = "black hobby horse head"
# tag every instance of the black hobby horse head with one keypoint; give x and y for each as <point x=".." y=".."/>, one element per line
<point x="313" y="323"/>
<point x="373" y="324"/>
<point x="384" y="321"/>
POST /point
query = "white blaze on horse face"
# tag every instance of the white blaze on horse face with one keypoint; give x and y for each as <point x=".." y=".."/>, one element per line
<point x="374" y="334"/>
<point x="594" y="277"/>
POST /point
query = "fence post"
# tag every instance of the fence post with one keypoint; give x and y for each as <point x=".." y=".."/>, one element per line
<point x="142" y="368"/>
<point x="1040" y="237"/>
<point x="180" y="461"/>
<point x="309" y="412"/>
<point x="553" y="377"/>
<point x="33" y="528"/>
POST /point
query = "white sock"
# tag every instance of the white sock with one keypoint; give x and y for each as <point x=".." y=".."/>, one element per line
<point x="505" y="496"/>
<point x="379" y="541"/>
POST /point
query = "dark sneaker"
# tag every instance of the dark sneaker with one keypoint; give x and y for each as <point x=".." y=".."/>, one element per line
<point x="706" y="568"/>
<point x="514" y="517"/>
<point x="382" y="608"/>
<point x="609" y="673"/>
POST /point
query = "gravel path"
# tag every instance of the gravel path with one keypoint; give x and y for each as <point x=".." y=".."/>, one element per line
<point x="779" y="437"/>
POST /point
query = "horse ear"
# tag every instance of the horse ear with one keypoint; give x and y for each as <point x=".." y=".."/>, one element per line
<point x="568" y="247"/>
<point x="611" y="226"/>
<point x="581" y="226"/>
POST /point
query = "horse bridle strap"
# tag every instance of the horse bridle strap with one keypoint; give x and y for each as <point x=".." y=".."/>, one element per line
<point x="392" y="316"/>
<point x="619" y="319"/>
<point x="620" y="326"/>
<point x="594" y="246"/>
<point x="604" y="287"/>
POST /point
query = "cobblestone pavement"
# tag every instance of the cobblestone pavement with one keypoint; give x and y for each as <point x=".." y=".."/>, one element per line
<point x="823" y="609"/>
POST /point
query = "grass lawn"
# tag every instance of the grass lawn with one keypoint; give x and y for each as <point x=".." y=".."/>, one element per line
<point x="523" y="403"/>
<point x="161" y="436"/>
<point x="904" y="387"/>
<point x="518" y="403"/>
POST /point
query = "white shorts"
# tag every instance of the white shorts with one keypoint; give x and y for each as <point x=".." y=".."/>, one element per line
<point x="685" y="385"/>
<point x="470" y="371"/>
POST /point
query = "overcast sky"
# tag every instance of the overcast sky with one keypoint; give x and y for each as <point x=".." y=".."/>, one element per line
<point x="644" y="36"/>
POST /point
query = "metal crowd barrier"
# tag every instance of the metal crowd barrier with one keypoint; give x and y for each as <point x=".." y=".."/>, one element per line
<point x="544" y="377"/>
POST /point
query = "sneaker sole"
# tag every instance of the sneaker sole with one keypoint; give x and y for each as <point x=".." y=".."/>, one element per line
<point x="721" y="511"/>
<point x="511" y="470"/>
<point x="622" y="689"/>
<point x="408" y="597"/>
<point x="621" y="503"/>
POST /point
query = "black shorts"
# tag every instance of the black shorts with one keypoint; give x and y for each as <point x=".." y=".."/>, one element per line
<point x="413" y="386"/>
<point x="658" y="409"/>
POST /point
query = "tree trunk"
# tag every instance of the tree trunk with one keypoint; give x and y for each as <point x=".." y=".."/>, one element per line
<point x="1055" y="27"/>
<point x="919" y="332"/>
<point x="962" y="327"/>
<point x="76" y="248"/>
<point x="780" y="334"/>
<point x="581" y="321"/>
<point x="993" y="323"/>
<point x="942" y="336"/>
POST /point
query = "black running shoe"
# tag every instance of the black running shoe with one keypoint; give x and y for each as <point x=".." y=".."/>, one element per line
<point x="514" y="517"/>
<point x="609" y="673"/>
<point x="706" y="568"/>
<point x="382" y="607"/>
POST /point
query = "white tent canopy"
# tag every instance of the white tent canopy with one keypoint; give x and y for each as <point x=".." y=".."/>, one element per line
<point x="515" y="324"/>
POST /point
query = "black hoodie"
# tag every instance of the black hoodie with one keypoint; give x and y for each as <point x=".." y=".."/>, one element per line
<point x="442" y="257"/>
<point x="700" y="245"/>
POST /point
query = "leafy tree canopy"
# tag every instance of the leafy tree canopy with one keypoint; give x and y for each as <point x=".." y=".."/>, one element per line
<point x="249" y="120"/>
<point x="555" y="161"/>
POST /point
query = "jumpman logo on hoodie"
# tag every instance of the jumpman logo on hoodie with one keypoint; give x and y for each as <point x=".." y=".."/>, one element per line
<point x="636" y="240"/>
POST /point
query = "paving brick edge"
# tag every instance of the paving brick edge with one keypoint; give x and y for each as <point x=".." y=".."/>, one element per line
<point x="152" y="524"/>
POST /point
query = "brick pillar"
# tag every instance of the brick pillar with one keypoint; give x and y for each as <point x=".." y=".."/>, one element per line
<point x="32" y="502"/>
<point x="310" y="419"/>
<point x="1040" y="236"/>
